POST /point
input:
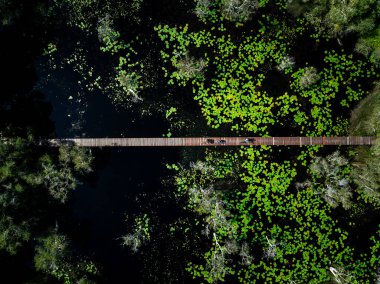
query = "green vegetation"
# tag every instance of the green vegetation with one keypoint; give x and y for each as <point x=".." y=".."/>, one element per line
<point x="262" y="224"/>
<point x="31" y="178"/>
<point x="208" y="68"/>
<point x="330" y="180"/>
<point x="56" y="174"/>
<point x="366" y="168"/>
<point x="236" y="93"/>
<point x="238" y="11"/>
<point x="341" y="18"/>
<point x="53" y="256"/>
<point x="84" y="14"/>
<point x="128" y="81"/>
<point x="120" y="76"/>
<point x="140" y="233"/>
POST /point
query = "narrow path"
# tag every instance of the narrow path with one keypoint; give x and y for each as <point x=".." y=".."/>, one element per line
<point x="211" y="141"/>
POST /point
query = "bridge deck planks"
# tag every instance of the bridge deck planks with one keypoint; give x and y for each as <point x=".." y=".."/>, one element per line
<point x="202" y="141"/>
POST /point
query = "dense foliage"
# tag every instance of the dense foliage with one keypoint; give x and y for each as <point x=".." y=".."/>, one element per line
<point x="53" y="256"/>
<point x="265" y="228"/>
<point x="341" y="18"/>
<point x="365" y="168"/>
<point x="31" y="181"/>
<point x="223" y="68"/>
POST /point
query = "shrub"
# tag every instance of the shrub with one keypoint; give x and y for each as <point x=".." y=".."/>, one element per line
<point x="139" y="235"/>
<point x="188" y="67"/>
<point x="366" y="165"/>
<point x="330" y="180"/>
<point x="287" y="63"/>
<point x="309" y="77"/>
<point x="239" y="10"/>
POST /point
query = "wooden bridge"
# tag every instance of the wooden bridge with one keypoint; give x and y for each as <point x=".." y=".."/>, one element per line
<point x="211" y="141"/>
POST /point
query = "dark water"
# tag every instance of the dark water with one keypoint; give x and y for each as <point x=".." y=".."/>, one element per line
<point x="60" y="107"/>
<point x="100" y="205"/>
<point x="99" y="208"/>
